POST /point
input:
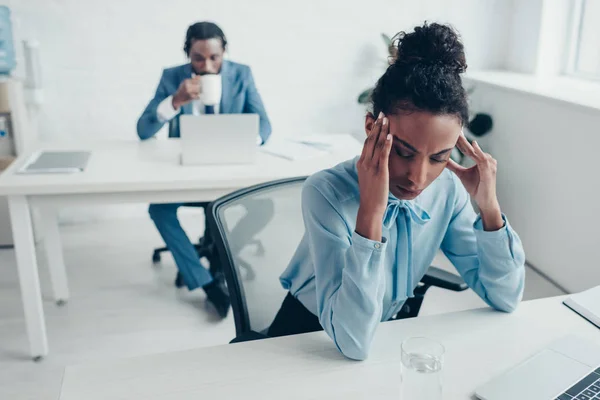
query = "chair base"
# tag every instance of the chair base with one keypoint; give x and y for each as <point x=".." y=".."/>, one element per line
<point x="248" y="337"/>
<point x="201" y="248"/>
<point x="205" y="248"/>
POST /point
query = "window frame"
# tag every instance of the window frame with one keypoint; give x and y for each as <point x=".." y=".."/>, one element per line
<point x="574" y="42"/>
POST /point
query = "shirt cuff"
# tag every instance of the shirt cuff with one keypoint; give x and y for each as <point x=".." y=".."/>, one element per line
<point x="496" y="243"/>
<point x="478" y="226"/>
<point x="368" y="244"/>
<point x="165" y="111"/>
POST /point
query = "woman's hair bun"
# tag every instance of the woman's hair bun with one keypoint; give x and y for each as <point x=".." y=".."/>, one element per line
<point x="432" y="45"/>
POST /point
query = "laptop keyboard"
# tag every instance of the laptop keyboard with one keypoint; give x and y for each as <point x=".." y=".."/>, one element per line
<point x="587" y="388"/>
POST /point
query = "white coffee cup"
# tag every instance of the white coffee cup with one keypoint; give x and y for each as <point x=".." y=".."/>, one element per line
<point x="211" y="89"/>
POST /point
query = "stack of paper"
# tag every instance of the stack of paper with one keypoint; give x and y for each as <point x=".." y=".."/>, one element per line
<point x="586" y="304"/>
<point x="294" y="149"/>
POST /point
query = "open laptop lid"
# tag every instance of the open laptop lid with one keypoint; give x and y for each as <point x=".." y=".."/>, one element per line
<point x="56" y="162"/>
<point x="547" y="374"/>
<point x="224" y="139"/>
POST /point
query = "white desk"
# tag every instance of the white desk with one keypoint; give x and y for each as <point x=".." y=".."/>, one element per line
<point x="124" y="171"/>
<point x="479" y="344"/>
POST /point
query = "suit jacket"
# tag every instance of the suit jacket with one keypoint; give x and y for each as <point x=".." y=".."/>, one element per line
<point x="239" y="96"/>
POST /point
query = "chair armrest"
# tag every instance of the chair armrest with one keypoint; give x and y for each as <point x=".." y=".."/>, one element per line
<point x="443" y="279"/>
<point x="247" y="337"/>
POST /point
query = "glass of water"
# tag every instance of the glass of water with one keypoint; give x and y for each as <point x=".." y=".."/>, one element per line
<point x="422" y="361"/>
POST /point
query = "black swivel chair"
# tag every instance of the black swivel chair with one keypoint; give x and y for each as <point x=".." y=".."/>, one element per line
<point x="203" y="243"/>
<point x="256" y="297"/>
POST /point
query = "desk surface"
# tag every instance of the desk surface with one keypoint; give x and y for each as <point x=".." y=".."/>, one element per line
<point x="479" y="344"/>
<point x="130" y="166"/>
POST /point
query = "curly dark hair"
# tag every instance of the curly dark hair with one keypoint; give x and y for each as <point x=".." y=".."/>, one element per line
<point x="425" y="74"/>
<point x="203" y="31"/>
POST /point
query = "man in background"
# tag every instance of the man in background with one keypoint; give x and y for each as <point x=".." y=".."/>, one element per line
<point x="179" y="93"/>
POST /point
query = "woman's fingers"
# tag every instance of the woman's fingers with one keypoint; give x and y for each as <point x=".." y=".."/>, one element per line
<point x="384" y="145"/>
<point x="478" y="151"/>
<point x="455" y="167"/>
<point x="466" y="148"/>
<point x="367" y="153"/>
<point x="487" y="161"/>
<point x="381" y="122"/>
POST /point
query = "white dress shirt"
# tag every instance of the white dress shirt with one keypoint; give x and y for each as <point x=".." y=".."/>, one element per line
<point x="166" y="112"/>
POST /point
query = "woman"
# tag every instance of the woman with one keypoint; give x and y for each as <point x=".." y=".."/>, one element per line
<point x="375" y="223"/>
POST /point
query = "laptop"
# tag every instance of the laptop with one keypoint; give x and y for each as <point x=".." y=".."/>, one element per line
<point x="568" y="369"/>
<point x="221" y="139"/>
<point x="56" y="162"/>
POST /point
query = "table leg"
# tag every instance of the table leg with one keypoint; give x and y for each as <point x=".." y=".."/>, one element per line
<point x="54" y="254"/>
<point x="28" y="275"/>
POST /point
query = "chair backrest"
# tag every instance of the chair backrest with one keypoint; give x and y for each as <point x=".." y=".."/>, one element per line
<point x="256" y="232"/>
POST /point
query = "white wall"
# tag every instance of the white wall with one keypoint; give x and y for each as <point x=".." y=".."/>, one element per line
<point x="102" y="59"/>
<point x="547" y="154"/>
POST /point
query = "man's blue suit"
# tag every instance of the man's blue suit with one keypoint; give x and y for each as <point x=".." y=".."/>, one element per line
<point x="239" y="96"/>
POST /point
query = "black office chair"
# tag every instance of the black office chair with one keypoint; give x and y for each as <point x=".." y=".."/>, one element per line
<point x="202" y="247"/>
<point x="256" y="298"/>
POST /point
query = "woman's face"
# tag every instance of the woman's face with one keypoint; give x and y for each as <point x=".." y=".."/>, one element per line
<point x="422" y="143"/>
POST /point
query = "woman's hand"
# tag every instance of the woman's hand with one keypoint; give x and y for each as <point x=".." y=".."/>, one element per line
<point x="373" y="180"/>
<point x="480" y="182"/>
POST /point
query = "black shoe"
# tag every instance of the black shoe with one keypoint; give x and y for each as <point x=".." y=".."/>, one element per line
<point x="179" y="282"/>
<point x="218" y="297"/>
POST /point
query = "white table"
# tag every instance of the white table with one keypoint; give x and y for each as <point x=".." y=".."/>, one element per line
<point x="479" y="344"/>
<point x="124" y="171"/>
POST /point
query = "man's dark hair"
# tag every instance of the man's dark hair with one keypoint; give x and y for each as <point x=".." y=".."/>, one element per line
<point x="203" y="31"/>
<point x="425" y="75"/>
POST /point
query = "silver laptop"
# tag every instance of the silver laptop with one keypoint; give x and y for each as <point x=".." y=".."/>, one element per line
<point x="568" y="369"/>
<point x="218" y="139"/>
<point x="49" y="162"/>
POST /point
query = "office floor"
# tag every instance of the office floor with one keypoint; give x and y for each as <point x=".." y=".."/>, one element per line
<point x="123" y="306"/>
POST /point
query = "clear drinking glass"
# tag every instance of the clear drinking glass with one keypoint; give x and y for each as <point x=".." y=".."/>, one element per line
<point x="422" y="361"/>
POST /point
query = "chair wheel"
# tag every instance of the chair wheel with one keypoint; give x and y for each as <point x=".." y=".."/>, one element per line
<point x="179" y="282"/>
<point x="38" y="358"/>
<point x="156" y="258"/>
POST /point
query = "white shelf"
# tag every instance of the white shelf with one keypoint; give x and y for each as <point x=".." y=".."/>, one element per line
<point x="571" y="91"/>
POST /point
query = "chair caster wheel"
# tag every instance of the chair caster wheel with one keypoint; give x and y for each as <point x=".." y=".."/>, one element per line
<point x="61" y="302"/>
<point x="38" y="358"/>
<point x="179" y="282"/>
<point x="156" y="258"/>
